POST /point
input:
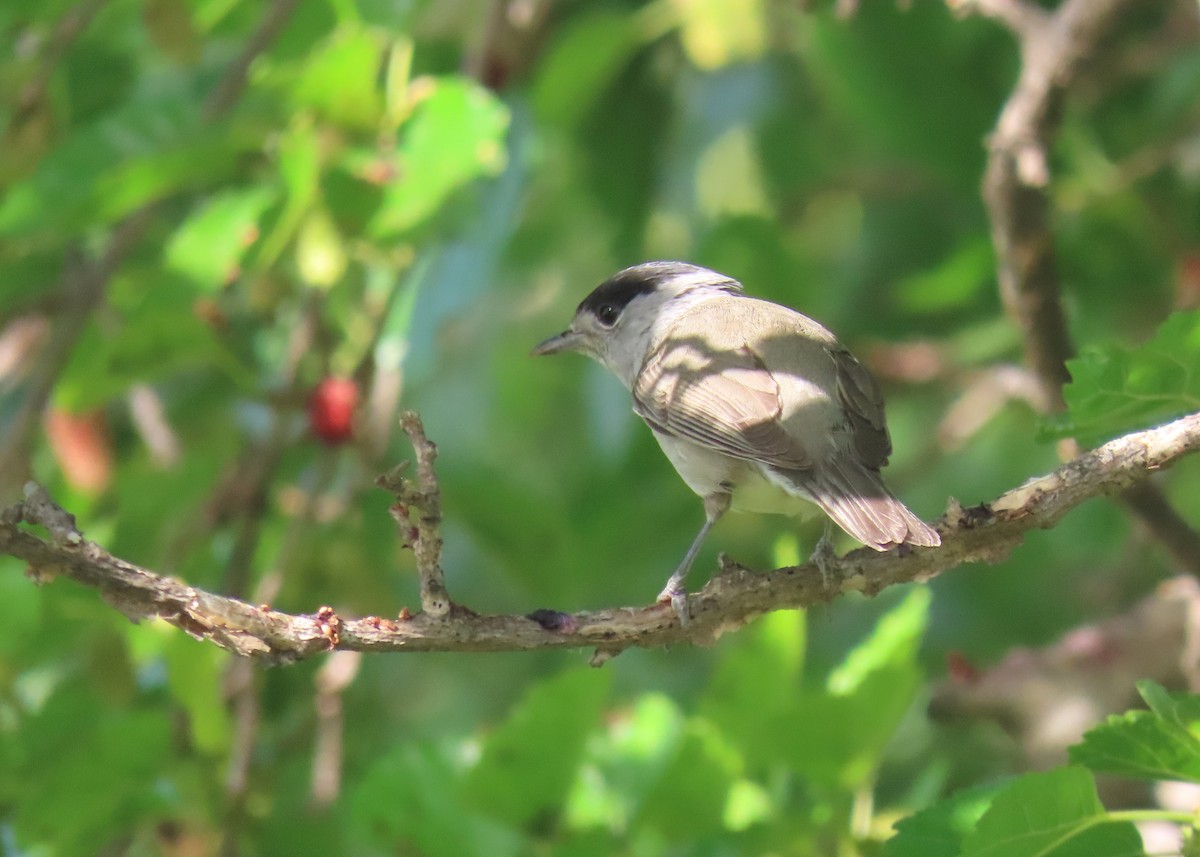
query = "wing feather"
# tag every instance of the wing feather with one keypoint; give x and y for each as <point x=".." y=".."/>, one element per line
<point x="859" y="396"/>
<point x="725" y="400"/>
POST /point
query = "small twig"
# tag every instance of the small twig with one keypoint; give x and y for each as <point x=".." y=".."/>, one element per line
<point x="421" y="531"/>
<point x="1020" y="16"/>
<point x="66" y="30"/>
<point x="242" y="683"/>
<point x="331" y="681"/>
<point x="734" y="596"/>
<point x="229" y="88"/>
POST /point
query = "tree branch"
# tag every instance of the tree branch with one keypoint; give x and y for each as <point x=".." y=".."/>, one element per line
<point x="1054" y="47"/>
<point x="984" y="533"/>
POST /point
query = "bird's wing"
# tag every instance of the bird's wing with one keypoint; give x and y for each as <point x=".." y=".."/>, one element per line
<point x="859" y="396"/>
<point x="721" y="398"/>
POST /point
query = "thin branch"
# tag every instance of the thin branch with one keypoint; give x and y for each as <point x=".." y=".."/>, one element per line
<point x="984" y="533"/>
<point x="331" y="681"/>
<point x="421" y="531"/>
<point x="1020" y="16"/>
<point x="229" y="89"/>
<point x="67" y="29"/>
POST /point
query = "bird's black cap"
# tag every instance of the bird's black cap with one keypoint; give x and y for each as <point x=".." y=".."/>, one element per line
<point x="622" y="287"/>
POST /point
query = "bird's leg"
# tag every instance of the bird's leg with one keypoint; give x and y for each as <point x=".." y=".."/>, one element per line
<point x="823" y="554"/>
<point x="715" y="505"/>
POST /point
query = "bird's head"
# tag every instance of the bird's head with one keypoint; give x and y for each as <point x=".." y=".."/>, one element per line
<point x="629" y="312"/>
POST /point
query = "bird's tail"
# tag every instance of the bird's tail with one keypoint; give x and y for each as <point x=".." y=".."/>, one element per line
<point x="858" y="502"/>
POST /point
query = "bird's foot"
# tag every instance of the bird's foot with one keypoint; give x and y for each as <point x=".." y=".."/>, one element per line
<point x="678" y="599"/>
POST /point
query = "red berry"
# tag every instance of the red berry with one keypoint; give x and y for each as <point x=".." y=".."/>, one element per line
<point x="331" y="410"/>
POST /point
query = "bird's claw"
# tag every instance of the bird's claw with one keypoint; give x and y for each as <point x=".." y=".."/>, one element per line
<point x="678" y="599"/>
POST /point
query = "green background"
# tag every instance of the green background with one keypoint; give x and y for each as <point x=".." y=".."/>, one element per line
<point x="416" y="193"/>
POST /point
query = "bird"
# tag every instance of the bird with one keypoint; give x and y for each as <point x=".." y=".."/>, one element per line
<point x="758" y="407"/>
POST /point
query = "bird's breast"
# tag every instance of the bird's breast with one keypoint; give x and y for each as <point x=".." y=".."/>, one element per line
<point x="704" y="470"/>
<point x="755" y="493"/>
<point x="708" y="472"/>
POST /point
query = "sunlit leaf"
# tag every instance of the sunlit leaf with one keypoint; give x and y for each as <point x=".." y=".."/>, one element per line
<point x="836" y="736"/>
<point x="456" y="135"/>
<point x="341" y="80"/>
<point x="716" y="33"/>
<point x="410" y="796"/>
<point x="194" y="674"/>
<point x="939" y="830"/>
<point x="689" y="799"/>
<point x="1052" y="814"/>
<point x="210" y="244"/>
<point x="1114" y="389"/>
<point x="757" y="683"/>
<point x="1162" y="744"/>
<point x="622" y="763"/>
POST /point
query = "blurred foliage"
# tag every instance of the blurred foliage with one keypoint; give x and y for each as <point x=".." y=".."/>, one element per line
<point x="407" y="195"/>
<point x="1058" y="813"/>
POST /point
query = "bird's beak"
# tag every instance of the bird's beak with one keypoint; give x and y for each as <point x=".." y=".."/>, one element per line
<point x="568" y="340"/>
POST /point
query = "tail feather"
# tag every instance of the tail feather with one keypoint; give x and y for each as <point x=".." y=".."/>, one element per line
<point x="858" y="502"/>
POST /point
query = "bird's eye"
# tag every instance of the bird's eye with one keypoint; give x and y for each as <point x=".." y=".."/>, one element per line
<point x="608" y="314"/>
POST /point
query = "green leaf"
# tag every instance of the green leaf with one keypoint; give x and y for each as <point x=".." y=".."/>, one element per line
<point x="1179" y="709"/>
<point x="939" y="831"/>
<point x="1161" y="744"/>
<point x="757" y="682"/>
<point x="340" y="79"/>
<point x="836" y="736"/>
<point x="89" y="770"/>
<point x="300" y="170"/>
<point x="528" y="763"/>
<point x="455" y="136"/>
<point x="624" y="762"/>
<point x="195" y="672"/>
<point x="1139" y="744"/>
<point x="134" y="156"/>
<point x="1052" y="814"/>
<point x="894" y="642"/>
<point x="586" y="56"/>
<point x="954" y="282"/>
<point x="157" y="334"/>
<point x="1115" y="389"/>
<point x="20" y="607"/>
<point x="210" y="244"/>
<point x="688" y="801"/>
<point x="320" y="250"/>
<point x="410" y="797"/>
<point x="716" y="33"/>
